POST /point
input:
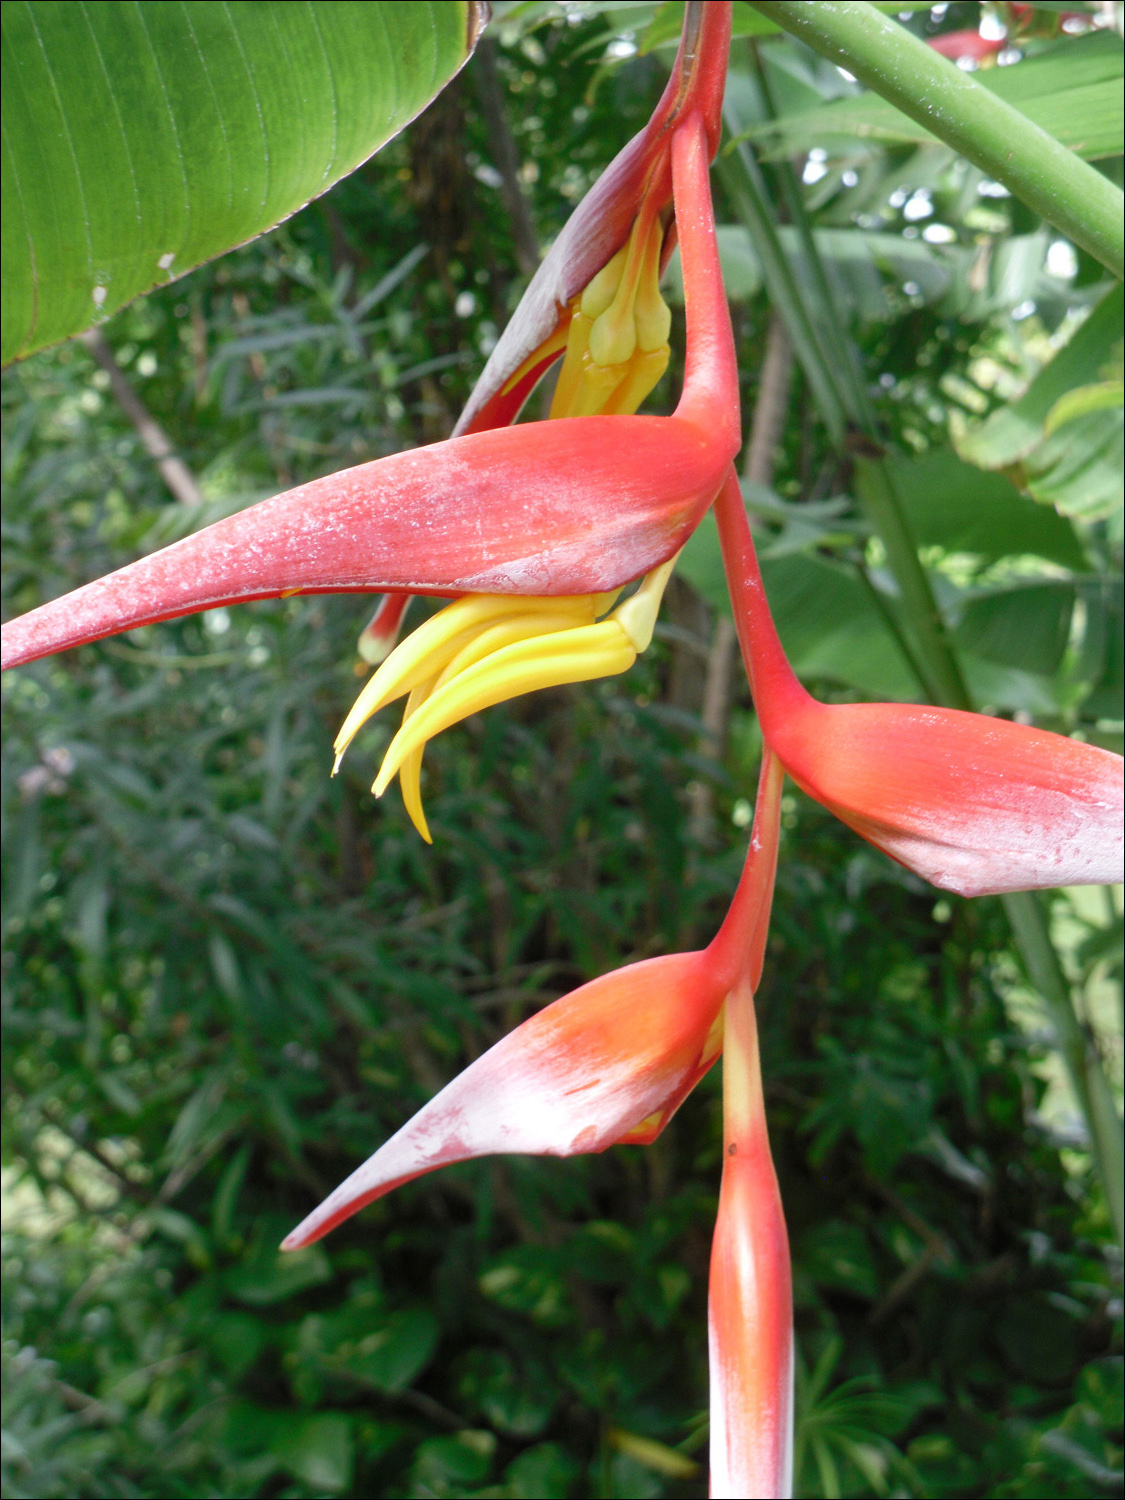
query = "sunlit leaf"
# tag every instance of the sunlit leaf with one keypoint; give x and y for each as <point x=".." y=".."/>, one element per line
<point x="1012" y="432"/>
<point x="140" y="140"/>
<point x="1072" y="90"/>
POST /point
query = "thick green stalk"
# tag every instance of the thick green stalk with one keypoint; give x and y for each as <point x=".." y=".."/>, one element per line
<point x="741" y="177"/>
<point x="1078" y="1048"/>
<point x="817" y="335"/>
<point x="991" y="134"/>
<point x="875" y="488"/>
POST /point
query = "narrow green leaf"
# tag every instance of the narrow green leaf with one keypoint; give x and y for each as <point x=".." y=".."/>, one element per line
<point x="1103" y="395"/>
<point x="1072" y="90"/>
<point x="141" y="140"/>
<point x="1011" y="433"/>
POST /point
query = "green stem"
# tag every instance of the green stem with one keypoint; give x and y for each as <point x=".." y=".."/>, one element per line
<point x="991" y="134"/>
<point x="902" y="640"/>
<point x="742" y="179"/>
<point x="875" y="487"/>
<point x="817" y="337"/>
<point x="1077" y="1047"/>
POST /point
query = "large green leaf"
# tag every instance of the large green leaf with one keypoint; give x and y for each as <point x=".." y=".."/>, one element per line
<point x="1026" y="626"/>
<point x="1074" y="465"/>
<point x="1073" y="90"/>
<point x="1012" y="432"/>
<point x="142" y="139"/>
<point x="960" y="508"/>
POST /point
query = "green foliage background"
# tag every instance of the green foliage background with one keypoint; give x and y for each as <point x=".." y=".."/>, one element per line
<point x="228" y="978"/>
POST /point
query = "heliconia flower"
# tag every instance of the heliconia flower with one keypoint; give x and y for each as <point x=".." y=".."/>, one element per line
<point x="546" y="509"/>
<point x="975" y="804"/>
<point x="613" y="338"/>
<point x="605" y="263"/>
<point x="602" y="223"/>
<point x="608" y="1064"/>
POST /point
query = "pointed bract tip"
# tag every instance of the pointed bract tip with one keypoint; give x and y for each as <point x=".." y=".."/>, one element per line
<point x="616" y="1056"/>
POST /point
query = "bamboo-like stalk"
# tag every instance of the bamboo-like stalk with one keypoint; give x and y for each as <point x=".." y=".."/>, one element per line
<point x="952" y="105"/>
<point x="886" y="57"/>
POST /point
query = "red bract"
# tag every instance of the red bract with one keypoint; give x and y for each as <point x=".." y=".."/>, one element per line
<point x="975" y="804"/>
<point x="750" y="1319"/>
<point x="600" y="224"/>
<point x="579" y="507"/>
<point x="608" y="1064"/>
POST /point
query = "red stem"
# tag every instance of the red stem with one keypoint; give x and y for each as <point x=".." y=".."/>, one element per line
<point x="779" y="698"/>
<point x="737" y="950"/>
<point x="710" y="393"/>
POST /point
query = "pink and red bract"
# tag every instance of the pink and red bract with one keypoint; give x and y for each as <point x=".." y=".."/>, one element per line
<point x="974" y="804"/>
<point x="541" y="509"/>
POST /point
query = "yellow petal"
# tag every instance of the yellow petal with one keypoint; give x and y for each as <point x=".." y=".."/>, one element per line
<point x="578" y="655"/>
<point x="425" y="652"/>
<point x="506" y="633"/>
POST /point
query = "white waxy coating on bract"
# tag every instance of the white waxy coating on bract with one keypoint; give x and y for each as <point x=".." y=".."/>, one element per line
<point x="574" y="1078"/>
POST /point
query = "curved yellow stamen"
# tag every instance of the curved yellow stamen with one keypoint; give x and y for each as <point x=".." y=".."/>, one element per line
<point x="490" y="640"/>
<point x="507" y="633"/>
<point x="536" y="650"/>
<point x="426" y="652"/>
<point x="484" y="649"/>
<point x="577" y="655"/>
<point x="410" y="772"/>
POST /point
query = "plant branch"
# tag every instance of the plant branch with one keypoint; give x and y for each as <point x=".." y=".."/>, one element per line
<point x="951" y="104"/>
<point x="490" y="92"/>
<point x="1078" y="1048"/>
<point x="176" y="474"/>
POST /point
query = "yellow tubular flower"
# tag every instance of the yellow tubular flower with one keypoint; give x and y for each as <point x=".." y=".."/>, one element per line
<point x="484" y="649"/>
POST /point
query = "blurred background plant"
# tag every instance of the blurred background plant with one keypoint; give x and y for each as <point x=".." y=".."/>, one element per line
<point x="227" y="977"/>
